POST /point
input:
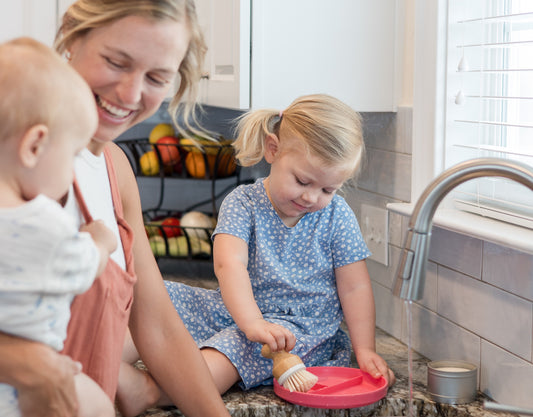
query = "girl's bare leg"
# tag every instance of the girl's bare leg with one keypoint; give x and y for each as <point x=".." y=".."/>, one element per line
<point x="222" y="370"/>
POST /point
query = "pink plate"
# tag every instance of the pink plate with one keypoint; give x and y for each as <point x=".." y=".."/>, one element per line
<point x="337" y="387"/>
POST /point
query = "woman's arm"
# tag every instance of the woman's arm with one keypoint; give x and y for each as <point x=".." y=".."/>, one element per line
<point x="44" y="378"/>
<point x="163" y="342"/>
<point x="357" y="300"/>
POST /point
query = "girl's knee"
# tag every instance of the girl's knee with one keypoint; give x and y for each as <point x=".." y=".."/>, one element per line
<point x="222" y="369"/>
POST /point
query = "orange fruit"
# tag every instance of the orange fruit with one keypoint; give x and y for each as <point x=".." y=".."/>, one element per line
<point x="195" y="164"/>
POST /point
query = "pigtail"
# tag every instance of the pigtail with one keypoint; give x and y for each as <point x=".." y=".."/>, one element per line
<point x="252" y="128"/>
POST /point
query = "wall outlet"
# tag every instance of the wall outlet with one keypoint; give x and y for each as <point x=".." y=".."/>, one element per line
<point x="374" y="224"/>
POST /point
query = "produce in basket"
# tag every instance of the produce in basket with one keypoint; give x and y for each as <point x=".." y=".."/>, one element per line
<point x="197" y="224"/>
<point x="203" y="155"/>
<point x="177" y="246"/>
<point x="149" y="163"/>
<point x="161" y="130"/>
<point x="168" y="150"/>
<point x="171" y="227"/>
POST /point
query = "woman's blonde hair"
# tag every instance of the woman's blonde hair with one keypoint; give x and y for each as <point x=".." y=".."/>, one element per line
<point x="328" y="128"/>
<point x="85" y="15"/>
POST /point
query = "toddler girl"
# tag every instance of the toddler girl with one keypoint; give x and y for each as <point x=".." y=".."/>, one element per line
<point x="288" y="253"/>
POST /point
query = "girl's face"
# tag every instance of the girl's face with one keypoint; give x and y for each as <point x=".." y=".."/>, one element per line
<point x="299" y="182"/>
<point x="130" y="65"/>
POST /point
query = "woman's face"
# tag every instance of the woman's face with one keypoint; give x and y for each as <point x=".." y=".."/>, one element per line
<point x="130" y="65"/>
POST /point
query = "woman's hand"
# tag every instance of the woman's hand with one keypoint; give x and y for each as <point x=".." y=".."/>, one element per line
<point x="370" y="362"/>
<point x="274" y="335"/>
<point x="43" y="378"/>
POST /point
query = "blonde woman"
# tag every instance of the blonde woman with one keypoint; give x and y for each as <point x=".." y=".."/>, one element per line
<point x="130" y="53"/>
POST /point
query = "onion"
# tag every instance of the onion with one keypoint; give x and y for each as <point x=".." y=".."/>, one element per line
<point x="197" y="224"/>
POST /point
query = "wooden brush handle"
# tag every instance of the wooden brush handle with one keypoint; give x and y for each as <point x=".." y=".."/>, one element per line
<point x="282" y="360"/>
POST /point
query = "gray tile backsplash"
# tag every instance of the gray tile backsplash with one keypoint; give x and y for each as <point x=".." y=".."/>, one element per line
<point x="478" y="298"/>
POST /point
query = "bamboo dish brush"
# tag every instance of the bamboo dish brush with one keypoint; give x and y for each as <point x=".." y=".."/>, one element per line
<point x="289" y="370"/>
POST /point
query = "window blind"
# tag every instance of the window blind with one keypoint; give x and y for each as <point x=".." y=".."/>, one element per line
<point x="489" y="109"/>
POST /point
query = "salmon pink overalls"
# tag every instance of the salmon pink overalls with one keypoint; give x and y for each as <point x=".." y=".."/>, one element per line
<point x="99" y="317"/>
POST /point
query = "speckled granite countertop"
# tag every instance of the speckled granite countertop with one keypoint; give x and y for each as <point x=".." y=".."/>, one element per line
<point x="262" y="402"/>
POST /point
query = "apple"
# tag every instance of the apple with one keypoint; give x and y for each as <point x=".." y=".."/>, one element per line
<point x="172" y="228"/>
<point x="168" y="150"/>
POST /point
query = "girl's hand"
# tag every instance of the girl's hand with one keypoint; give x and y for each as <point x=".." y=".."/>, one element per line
<point x="274" y="335"/>
<point x="370" y="362"/>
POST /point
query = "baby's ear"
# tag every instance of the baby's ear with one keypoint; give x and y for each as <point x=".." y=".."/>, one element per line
<point x="33" y="144"/>
<point x="271" y="147"/>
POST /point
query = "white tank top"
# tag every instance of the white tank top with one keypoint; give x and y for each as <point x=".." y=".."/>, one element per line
<point x="93" y="180"/>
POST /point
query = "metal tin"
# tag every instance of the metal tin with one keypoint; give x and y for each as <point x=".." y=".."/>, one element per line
<point x="452" y="381"/>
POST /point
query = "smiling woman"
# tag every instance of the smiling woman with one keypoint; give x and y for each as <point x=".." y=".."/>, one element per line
<point x="129" y="53"/>
<point x="131" y="65"/>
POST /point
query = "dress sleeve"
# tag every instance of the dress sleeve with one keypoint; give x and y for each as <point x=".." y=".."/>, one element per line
<point x="235" y="215"/>
<point x="348" y="245"/>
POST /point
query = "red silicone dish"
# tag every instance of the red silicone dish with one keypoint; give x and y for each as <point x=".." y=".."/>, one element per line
<point x="337" y="387"/>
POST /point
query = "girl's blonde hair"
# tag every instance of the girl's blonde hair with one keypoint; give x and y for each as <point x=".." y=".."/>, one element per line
<point x="328" y="128"/>
<point x="85" y="15"/>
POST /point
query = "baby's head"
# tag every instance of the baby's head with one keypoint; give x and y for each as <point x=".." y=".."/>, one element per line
<point x="48" y="115"/>
<point x="321" y="125"/>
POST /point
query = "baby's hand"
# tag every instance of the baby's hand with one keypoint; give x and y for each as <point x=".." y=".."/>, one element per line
<point x="103" y="237"/>
<point x="276" y="336"/>
<point x="370" y="362"/>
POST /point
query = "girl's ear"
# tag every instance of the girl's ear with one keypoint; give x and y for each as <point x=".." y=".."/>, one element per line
<point x="271" y="147"/>
<point x="33" y="144"/>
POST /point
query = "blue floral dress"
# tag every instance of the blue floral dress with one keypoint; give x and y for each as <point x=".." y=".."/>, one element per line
<point x="292" y="271"/>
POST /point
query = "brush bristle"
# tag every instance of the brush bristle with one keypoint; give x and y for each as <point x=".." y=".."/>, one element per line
<point x="300" y="381"/>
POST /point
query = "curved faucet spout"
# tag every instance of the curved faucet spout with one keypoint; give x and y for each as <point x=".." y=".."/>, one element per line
<point x="411" y="273"/>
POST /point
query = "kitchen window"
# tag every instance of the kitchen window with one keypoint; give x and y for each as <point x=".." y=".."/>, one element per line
<point x="489" y="100"/>
<point x="493" y="116"/>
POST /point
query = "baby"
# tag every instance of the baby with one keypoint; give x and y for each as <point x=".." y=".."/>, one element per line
<point x="47" y="115"/>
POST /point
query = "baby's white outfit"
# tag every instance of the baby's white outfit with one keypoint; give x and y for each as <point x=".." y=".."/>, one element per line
<point x="44" y="262"/>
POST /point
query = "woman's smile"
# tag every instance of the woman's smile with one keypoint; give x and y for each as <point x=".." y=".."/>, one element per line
<point x="115" y="112"/>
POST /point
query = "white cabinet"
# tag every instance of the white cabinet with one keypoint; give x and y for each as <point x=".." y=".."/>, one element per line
<point x="226" y="26"/>
<point x="346" y="48"/>
<point x="34" y="18"/>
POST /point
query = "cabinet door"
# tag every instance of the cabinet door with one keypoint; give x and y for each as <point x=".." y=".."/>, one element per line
<point x="345" y="48"/>
<point x="226" y="26"/>
<point x="62" y="6"/>
<point x="34" y="18"/>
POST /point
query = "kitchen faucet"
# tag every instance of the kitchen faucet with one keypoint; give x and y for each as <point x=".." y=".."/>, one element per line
<point x="411" y="273"/>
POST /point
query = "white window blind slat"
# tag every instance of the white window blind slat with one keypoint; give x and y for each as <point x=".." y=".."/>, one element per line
<point x="489" y="108"/>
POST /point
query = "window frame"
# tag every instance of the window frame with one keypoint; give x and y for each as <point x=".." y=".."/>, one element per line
<point x="429" y="121"/>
